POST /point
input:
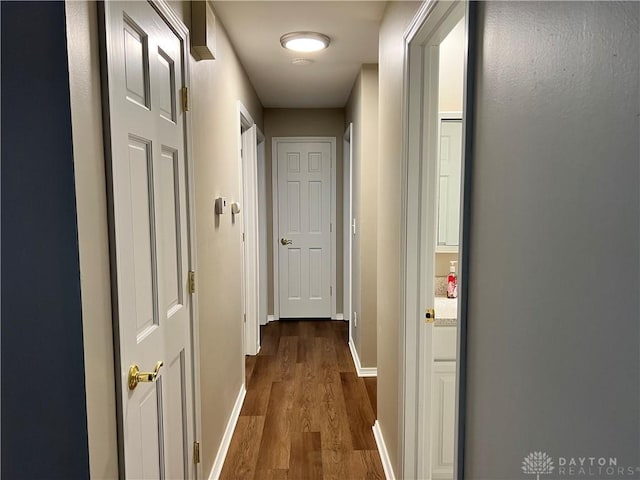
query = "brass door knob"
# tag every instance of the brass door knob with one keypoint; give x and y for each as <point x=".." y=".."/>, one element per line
<point x="136" y="376"/>
<point x="430" y="315"/>
<point x="285" y="241"/>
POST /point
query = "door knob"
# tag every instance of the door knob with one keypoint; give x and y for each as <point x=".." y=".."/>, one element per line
<point x="430" y="315"/>
<point x="136" y="376"/>
<point x="285" y="241"/>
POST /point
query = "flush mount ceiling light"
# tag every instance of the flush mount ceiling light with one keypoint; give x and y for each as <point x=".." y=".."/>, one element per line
<point x="304" y="41"/>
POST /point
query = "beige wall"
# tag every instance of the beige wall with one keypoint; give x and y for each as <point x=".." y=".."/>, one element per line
<point x="93" y="237"/>
<point x="362" y="111"/>
<point x="215" y="88"/>
<point x="305" y="122"/>
<point x="391" y="60"/>
<point x="451" y="71"/>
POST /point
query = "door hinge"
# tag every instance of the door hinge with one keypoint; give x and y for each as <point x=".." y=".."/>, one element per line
<point x="331" y="227"/>
<point x="331" y="291"/>
<point x="192" y="282"/>
<point x="185" y="99"/>
<point x="245" y="318"/>
<point x="243" y="236"/>
<point x="196" y="452"/>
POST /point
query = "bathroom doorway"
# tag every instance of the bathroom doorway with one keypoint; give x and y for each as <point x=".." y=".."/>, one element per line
<point x="435" y="168"/>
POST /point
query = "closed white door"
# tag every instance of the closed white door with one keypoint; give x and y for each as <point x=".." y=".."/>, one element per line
<point x="150" y="227"/>
<point x="304" y="222"/>
<point x="449" y="182"/>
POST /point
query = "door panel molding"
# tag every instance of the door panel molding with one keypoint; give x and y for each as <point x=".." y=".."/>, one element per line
<point x="276" y="141"/>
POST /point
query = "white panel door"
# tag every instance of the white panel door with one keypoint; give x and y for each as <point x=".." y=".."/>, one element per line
<point x="304" y="222"/>
<point x="150" y="227"/>
<point x="449" y="182"/>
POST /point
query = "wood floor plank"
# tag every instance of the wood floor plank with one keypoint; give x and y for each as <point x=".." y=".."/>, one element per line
<point x="276" y="443"/>
<point x="365" y="465"/>
<point x="243" y="450"/>
<point x="270" y="337"/>
<point x="286" y="359"/>
<point x="360" y="413"/>
<point x="306" y="415"/>
<point x="371" y="383"/>
<point x="249" y="364"/>
<point x="306" y="456"/>
<point x="256" y="400"/>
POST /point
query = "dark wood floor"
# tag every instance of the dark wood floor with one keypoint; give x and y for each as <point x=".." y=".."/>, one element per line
<point x="307" y="414"/>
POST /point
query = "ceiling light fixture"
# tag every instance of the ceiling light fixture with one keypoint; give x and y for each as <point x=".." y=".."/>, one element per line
<point x="305" y="41"/>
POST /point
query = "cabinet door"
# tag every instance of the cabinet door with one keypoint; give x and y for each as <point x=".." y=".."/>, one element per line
<point x="443" y="419"/>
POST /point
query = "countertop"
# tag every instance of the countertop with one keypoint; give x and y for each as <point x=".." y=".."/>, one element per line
<point x="446" y="312"/>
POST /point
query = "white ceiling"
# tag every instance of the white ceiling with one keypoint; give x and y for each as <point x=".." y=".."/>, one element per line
<point x="255" y="28"/>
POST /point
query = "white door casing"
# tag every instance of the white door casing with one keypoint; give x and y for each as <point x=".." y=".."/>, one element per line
<point x="304" y="181"/>
<point x="420" y="189"/>
<point x="150" y="228"/>
<point x="348" y="229"/>
<point x="251" y="245"/>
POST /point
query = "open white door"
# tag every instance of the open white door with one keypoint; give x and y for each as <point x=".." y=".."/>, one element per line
<point x="251" y="239"/>
<point x="304" y="188"/>
<point x="149" y="195"/>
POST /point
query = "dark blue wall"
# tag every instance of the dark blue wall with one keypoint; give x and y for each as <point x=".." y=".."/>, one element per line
<point x="44" y="421"/>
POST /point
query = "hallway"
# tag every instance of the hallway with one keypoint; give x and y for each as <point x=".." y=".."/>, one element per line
<point x="306" y="415"/>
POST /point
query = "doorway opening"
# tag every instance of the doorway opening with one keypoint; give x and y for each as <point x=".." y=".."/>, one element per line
<point x="434" y="224"/>
<point x="251" y="155"/>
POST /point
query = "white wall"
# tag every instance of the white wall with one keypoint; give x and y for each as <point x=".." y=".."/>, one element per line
<point x="553" y="324"/>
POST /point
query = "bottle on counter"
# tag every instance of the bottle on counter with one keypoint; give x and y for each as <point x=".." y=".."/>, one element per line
<point x="452" y="281"/>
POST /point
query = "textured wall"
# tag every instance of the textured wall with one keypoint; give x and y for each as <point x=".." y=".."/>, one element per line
<point x="391" y="56"/>
<point x="553" y="330"/>
<point x="362" y="111"/>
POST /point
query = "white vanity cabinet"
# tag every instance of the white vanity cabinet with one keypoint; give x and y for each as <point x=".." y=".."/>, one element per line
<point x="443" y="425"/>
<point x="443" y="402"/>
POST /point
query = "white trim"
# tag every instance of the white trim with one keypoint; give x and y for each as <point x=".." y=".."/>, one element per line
<point x="384" y="453"/>
<point x="216" y="470"/>
<point x="272" y="318"/>
<point x="340" y="316"/>
<point x="248" y="168"/>
<point x="362" y="371"/>
<point x="274" y="190"/>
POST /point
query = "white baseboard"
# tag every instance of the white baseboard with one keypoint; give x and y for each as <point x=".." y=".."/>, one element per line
<point x="228" y="433"/>
<point x="362" y="371"/>
<point x="271" y="318"/>
<point x="384" y="454"/>
<point x="339" y="316"/>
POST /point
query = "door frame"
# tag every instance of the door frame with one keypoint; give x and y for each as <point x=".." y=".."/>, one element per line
<point x="168" y="15"/>
<point x="347" y="229"/>
<point x="251" y="247"/>
<point x="420" y="103"/>
<point x="275" y="142"/>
